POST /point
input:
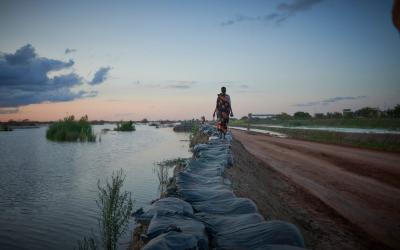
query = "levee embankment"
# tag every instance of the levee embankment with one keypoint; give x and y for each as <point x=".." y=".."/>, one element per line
<point x="202" y="211"/>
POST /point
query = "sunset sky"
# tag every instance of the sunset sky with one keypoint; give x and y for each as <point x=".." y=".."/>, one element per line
<point x="118" y="60"/>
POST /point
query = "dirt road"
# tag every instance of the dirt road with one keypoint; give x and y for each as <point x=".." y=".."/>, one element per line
<point x="361" y="186"/>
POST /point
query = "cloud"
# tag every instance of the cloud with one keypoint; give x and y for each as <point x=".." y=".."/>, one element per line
<point x="8" y="110"/>
<point x="329" y="101"/>
<point x="282" y="13"/>
<point x="180" y="84"/>
<point x="297" y="5"/>
<point x="100" y="76"/>
<point x="166" y="84"/>
<point x="24" y="79"/>
<point x="68" y="50"/>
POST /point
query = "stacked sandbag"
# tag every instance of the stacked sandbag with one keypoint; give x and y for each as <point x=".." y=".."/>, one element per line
<point x="218" y="218"/>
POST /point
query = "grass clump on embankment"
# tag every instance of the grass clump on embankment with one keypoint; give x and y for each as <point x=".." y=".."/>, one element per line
<point x="196" y="136"/>
<point x="71" y="130"/>
<point x="125" y="126"/>
<point x="388" y="142"/>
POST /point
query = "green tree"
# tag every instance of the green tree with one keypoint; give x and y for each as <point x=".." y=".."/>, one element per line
<point x="367" y="112"/>
<point x="302" y="115"/>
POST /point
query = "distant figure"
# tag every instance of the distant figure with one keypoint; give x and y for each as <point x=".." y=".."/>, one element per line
<point x="223" y="110"/>
<point x="203" y="120"/>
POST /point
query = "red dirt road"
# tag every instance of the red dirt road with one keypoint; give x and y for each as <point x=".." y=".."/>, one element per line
<point x="361" y="185"/>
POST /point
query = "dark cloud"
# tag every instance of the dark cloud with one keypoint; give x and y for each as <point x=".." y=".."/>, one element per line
<point x="282" y="13"/>
<point x="100" y="76"/>
<point x="297" y="5"/>
<point x="68" y="50"/>
<point x="24" y="79"/>
<point x="329" y="101"/>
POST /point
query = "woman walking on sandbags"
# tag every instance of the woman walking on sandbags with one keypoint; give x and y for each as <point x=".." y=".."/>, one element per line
<point x="223" y="109"/>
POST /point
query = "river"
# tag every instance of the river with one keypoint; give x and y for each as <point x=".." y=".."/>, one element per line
<point x="48" y="189"/>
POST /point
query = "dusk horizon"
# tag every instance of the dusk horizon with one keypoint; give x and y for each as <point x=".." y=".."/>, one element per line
<point x="213" y="124"/>
<point x="135" y="60"/>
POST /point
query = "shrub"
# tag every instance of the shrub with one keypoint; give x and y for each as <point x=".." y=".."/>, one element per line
<point x="115" y="210"/>
<point x="70" y="129"/>
<point x="125" y="126"/>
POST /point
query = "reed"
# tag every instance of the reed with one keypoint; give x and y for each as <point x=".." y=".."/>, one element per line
<point x="125" y="126"/>
<point x="115" y="209"/>
<point x="71" y="130"/>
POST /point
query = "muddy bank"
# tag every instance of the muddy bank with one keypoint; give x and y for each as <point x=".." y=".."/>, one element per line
<point x="277" y="197"/>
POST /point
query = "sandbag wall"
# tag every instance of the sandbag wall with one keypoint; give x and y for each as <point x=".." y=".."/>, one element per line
<point x="206" y="213"/>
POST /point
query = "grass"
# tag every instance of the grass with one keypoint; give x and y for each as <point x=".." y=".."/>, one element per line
<point x="125" y="126"/>
<point x="360" y="122"/>
<point x="71" y="130"/>
<point x="186" y="126"/>
<point x="196" y="136"/>
<point x="115" y="209"/>
<point x="387" y="142"/>
<point x="5" y="127"/>
<point x="163" y="171"/>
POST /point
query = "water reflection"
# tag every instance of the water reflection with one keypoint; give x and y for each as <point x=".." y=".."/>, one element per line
<point x="48" y="189"/>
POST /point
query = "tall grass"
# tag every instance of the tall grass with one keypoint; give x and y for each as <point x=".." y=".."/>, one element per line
<point x="70" y="129"/>
<point x="115" y="208"/>
<point x="125" y="126"/>
<point x="164" y="172"/>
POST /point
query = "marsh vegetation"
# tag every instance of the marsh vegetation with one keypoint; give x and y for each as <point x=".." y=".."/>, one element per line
<point x="164" y="170"/>
<point x="115" y="209"/>
<point x="125" y="126"/>
<point x="71" y="130"/>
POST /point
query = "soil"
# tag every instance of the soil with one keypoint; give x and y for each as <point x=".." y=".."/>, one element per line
<point x="339" y="197"/>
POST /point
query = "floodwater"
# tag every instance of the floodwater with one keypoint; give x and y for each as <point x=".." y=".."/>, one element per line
<point x="48" y="189"/>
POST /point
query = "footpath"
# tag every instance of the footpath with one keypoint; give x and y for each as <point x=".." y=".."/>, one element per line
<point x="204" y="213"/>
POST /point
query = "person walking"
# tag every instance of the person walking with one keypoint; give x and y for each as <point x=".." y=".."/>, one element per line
<point x="223" y="109"/>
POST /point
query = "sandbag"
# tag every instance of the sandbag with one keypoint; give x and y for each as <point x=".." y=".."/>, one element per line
<point x="162" y="222"/>
<point x="175" y="241"/>
<point x="169" y="204"/>
<point x="260" y="235"/>
<point x="226" y="206"/>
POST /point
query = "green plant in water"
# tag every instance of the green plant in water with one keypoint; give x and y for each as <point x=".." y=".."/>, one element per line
<point x="125" y="126"/>
<point x="115" y="209"/>
<point x="70" y="129"/>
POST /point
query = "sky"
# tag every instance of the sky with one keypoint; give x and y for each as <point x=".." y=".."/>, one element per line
<point x="120" y="60"/>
